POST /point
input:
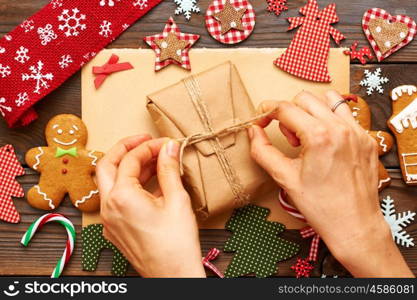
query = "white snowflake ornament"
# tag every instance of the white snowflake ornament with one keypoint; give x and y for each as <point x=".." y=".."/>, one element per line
<point x="186" y="7"/>
<point x="397" y="222"/>
<point x="374" y="81"/>
<point x="72" y="22"/>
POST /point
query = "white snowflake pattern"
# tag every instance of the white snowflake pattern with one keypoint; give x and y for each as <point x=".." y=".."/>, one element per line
<point x="22" y="55"/>
<point x="142" y="4"/>
<point x="186" y="7"/>
<point x="22" y="98"/>
<point x="2" y="50"/>
<point x="5" y="71"/>
<point x="88" y="56"/>
<point x="56" y="3"/>
<point x="8" y="37"/>
<point x="3" y="107"/>
<point x="125" y="26"/>
<point x="397" y="222"/>
<point x="65" y="61"/>
<point x="107" y="2"/>
<point x="105" y="29"/>
<point x="374" y="81"/>
<point x="37" y="75"/>
<point x="72" y="22"/>
<point x="27" y="25"/>
<point x="46" y="34"/>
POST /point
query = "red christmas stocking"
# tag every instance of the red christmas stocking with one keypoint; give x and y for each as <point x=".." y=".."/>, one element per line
<point x="46" y="49"/>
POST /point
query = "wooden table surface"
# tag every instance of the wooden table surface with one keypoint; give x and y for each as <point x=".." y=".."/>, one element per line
<point x="270" y="31"/>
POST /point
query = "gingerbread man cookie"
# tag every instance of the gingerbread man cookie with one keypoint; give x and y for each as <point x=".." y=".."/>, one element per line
<point x="362" y="115"/>
<point x="65" y="165"/>
<point x="403" y="123"/>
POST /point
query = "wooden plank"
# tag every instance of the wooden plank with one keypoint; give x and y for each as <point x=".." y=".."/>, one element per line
<point x="270" y="31"/>
<point x="47" y="246"/>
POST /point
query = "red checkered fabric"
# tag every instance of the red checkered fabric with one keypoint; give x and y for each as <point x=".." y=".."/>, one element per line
<point x="9" y="169"/>
<point x="276" y="6"/>
<point x="50" y="46"/>
<point x="172" y="27"/>
<point x="380" y="13"/>
<point x="307" y="55"/>
<point x="305" y="232"/>
<point x="233" y="36"/>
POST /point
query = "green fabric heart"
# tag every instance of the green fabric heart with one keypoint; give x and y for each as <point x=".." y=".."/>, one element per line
<point x="255" y="241"/>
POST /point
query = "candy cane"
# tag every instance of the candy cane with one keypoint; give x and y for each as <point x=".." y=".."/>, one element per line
<point x="35" y="226"/>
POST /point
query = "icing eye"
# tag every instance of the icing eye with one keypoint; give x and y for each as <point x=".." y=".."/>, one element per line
<point x="59" y="131"/>
<point x="71" y="131"/>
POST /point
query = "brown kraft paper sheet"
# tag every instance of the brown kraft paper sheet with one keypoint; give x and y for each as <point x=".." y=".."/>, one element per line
<point x="118" y="108"/>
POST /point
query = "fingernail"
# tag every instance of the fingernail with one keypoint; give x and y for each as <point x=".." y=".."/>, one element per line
<point x="172" y="148"/>
<point x="250" y="132"/>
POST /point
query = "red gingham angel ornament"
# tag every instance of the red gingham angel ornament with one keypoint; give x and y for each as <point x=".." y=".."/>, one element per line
<point x="171" y="46"/>
<point x="307" y="55"/>
<point x="9" y="169"/>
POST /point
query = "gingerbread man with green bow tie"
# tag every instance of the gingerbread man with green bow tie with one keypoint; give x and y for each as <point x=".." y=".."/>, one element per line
<point x="66" y="167"/>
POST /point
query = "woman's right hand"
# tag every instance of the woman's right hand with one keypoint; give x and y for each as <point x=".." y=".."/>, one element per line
<point x="333" y="182"/>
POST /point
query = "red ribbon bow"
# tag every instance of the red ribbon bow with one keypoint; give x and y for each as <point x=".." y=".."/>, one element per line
<point x="112" y="66"/>
<point x="212" y="255"/>
<point x="326" y="16"/>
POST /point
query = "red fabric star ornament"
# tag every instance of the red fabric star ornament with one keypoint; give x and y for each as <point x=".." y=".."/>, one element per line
<point x="308" y="53"/>
<point x="360" y="55"/>
<point x="170" y="48"/>
<point x="302" y="268"/>
<point x="9" y="169"/>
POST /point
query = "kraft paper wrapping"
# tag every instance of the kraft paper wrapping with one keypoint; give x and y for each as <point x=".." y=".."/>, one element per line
<point x="118" y="108"/>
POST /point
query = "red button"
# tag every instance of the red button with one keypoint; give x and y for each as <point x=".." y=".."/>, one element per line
<point x="64" y="171"/>
<point x="65" y="160"/>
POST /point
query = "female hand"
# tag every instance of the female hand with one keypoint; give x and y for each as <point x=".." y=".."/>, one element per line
<point x="333" y="182"/>
<point x="156" y="232"/>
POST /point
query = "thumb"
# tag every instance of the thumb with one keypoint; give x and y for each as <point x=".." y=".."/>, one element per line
<point x="168" y="170"/>
<point x="274" y="162"/>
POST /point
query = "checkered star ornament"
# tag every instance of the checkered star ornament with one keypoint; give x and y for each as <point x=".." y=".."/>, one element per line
<point x="171" y="46"/>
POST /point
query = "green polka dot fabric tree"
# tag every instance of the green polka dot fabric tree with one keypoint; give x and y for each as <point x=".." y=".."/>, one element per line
<point x="93" y="243"/>
<point x="256" y="244"/>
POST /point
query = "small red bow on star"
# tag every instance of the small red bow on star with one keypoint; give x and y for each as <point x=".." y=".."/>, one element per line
<point x="112" y="66"/>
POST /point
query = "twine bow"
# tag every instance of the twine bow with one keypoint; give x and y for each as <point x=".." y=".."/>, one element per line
<point x="312" y="13"/>
<point x="112" y="66"/>
<point x="212" y="255"/>
<point x="306" y="232"/>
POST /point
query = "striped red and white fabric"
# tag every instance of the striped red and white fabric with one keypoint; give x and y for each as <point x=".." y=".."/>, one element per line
<point x="50" y="46"/>
<point x="233" y="36"/>
<point x="380" y="13"/>
<point x="308" y="53"/>
<point x="9" y="169"/>
<point x="306" y="232"/>
<point x="171" y="26"/>
<point x="212" y="255"/>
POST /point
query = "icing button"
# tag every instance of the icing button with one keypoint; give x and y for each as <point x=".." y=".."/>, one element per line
<point x="65" y="160"/>
<point x="64" y="171"/>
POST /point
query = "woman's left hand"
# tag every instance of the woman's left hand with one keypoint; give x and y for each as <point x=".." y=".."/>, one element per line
<point x="157" y="232"/>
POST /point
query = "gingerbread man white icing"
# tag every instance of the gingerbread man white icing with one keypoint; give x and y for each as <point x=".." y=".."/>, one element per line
<point x="65" y="165"/>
